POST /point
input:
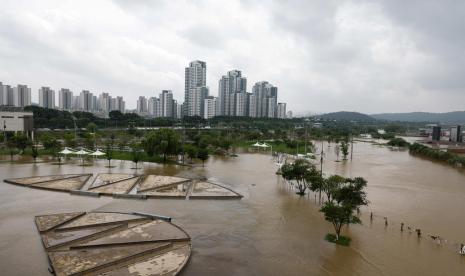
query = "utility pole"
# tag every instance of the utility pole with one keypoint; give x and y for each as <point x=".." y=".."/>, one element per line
<point x="321" y="159"/>
<point x="306" y="137"/>
<point x="306" y="134"/>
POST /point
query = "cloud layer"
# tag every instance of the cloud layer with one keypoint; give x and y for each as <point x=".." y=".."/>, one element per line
<point x="368" y="56"/>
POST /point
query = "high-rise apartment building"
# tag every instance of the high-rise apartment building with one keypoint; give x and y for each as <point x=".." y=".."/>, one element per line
<point x="142" y="107"/>
<point x="1" y="93"/>
<point x="195" y="77"/>
<point x="154" y="107"/>
<point x="232" y="89"/>
<point x="166" y="101"/>
<point x="94" y="103"/>
<point x="75" y="105"/>
<point x="209" y="107"/>
<point x="281" y="112"/>
<point x="46" y="97"/>
<point x="6" y="94"/>
<point x="264" y="101"/>
<point x="21" y="95"/>
<point x="86" y="101"/>
<point x="65" y="99"/>
<point x="104" y="103"/>
<point x="118" y="104"/>
<point x="196" y="100"/>
<point x="177" y="110"/>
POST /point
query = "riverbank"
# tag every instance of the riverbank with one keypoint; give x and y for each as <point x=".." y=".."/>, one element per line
<point x="437" y="154"/>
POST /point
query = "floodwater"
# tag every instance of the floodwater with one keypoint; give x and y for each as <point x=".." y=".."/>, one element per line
<point x="271" y="231"/>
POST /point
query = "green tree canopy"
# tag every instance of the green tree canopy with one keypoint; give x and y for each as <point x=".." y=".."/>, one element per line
<point x="301" y="171"/>
<point x="202" y="154"/>
<point x="162" y="142"/>
<point x="349" y="195"/>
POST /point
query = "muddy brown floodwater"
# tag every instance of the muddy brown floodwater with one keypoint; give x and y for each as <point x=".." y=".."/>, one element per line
<point x="271" y="231"/>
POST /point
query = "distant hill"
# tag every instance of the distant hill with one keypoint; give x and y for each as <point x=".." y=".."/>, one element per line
<point x="347" y="116"/>
<point x="456" y="117"/>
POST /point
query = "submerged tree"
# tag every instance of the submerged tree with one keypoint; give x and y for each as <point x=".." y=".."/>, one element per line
<point x="317" y="183"/>
<point x="109" y="154"/>
<point x="21" y="141"/>
<point x="339" y="216"/>
<point x="34" y="152"/>
<point x="136" y="154"/>
<point x="337" y="151"/>
<point x="202" y="154"/>
<point x="11" y="145"/>
<point x="191" y="151"/>
<point x="347" y="198"/>
<point x="344" y="149"/>
<point x="301" y="171"/>
<point x="331" y="185"/>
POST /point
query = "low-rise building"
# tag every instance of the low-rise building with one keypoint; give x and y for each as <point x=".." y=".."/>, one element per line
<point x="15" y="119"/>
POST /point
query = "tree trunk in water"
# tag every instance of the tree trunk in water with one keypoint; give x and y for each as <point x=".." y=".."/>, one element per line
<point x="338" y="231"/>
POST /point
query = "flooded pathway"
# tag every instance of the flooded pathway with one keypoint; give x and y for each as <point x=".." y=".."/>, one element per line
<point x="271" y="231"/>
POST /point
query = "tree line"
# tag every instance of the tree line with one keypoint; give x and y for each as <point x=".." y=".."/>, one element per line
<point x="344" y="196"/>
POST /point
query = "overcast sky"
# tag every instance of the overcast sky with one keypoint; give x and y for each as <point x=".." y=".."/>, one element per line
<point x="367" y="56"/>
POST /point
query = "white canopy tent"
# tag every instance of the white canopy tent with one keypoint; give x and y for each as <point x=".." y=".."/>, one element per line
<point x="67" y="151"/>
<point x="262" y="145"/>
<point x="97" y="153"/>
<point x="82" y="152"/>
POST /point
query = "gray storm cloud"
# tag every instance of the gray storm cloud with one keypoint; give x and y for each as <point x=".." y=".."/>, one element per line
<point x="367" y="56"/>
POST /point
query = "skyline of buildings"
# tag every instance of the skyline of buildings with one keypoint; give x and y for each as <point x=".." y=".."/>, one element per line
<point x="232" y="99"/>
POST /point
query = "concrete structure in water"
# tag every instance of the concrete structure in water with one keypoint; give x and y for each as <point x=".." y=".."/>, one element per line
<point x="104" y="243"/>
<point x="120" y="185"/>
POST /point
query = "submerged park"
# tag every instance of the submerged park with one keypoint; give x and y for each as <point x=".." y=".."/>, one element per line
<point x="290" y="214"/>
